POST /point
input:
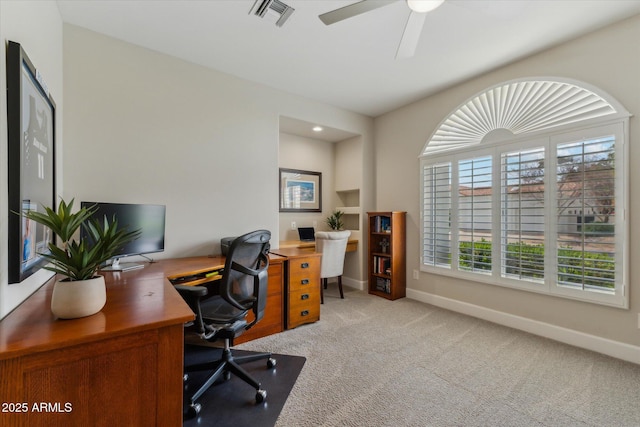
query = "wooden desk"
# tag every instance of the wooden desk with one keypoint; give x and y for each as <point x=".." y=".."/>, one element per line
<point x="121" y="366"/>
<point x="273" y="320"/>
<point x="352" y="245"/>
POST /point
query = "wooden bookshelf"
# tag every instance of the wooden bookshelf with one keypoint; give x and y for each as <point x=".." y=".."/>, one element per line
<point x="386" y="255"/>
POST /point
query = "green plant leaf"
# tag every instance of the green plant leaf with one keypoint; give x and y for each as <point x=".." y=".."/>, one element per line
<point x="79" y="260"/>
<point x="335" y="220"/>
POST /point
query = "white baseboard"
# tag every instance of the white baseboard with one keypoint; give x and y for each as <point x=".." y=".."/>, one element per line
<point x="353" y="283"/>
<point x="619" y="350"/>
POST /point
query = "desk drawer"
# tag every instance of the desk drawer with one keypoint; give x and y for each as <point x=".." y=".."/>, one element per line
<point x="305" y="298"/>
<point x="303" y="289"/>
<point x="303" y="310"/>
<point x="304" y="272"/>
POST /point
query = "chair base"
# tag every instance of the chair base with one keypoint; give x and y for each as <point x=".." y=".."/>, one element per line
<point x="324" y="286"/>
<point x="225" y="367"/>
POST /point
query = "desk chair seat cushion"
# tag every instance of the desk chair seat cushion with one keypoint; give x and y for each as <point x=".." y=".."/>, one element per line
<point x="217" y="310"/>
<point x="217" y="318"/>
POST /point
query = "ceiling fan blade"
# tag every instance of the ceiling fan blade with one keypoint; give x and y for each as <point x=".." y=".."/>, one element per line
<point x="352" y="10"/>
<point x="411" y="35"/>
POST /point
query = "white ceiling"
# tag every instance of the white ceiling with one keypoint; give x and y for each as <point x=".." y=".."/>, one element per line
<point x="349" y="64"/>
<point x="304" y="128"/>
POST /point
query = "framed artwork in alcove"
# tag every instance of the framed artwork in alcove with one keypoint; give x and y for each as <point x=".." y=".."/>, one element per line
<point x="300" y="191"/>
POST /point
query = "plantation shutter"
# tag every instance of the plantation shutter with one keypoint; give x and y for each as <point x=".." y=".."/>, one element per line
<point x="474" y="214"/>
<point x="586" y="197"/>
<point x="526" y="185"/>
<point x="437" y="215"/>
<point x="523" y="214"/>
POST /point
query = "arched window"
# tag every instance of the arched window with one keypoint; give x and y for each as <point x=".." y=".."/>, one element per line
<point x="525" y="185"/>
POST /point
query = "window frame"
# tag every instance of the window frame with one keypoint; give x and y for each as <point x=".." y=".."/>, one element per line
<point x="549" y="139"/>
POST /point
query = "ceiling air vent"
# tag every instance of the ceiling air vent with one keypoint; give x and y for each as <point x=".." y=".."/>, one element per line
<point x="272" y="9"/>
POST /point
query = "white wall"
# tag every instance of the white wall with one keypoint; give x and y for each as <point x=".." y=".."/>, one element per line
<point x="144" y="127"/>
<point x="608" y="59"/>
<point x="37" y="26"/>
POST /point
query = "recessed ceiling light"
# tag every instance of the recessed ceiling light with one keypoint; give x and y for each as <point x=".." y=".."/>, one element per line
<point x="317" y="128"/>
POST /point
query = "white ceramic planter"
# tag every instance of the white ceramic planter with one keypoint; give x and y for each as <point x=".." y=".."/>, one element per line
<point x="81" y="298"/>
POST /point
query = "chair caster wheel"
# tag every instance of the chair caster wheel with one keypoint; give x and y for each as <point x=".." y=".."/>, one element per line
<point x="185" y="378"/>
<point x="261" y="395"/>
<point x="271" y="363"/>
<point x="226" y="375"/>
<point x="194" y="410"/>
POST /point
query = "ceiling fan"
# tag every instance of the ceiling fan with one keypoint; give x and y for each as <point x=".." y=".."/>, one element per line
<point x="412" y="30"/>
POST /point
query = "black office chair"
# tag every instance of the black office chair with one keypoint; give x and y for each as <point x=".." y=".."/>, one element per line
<point x="243" y="288"/>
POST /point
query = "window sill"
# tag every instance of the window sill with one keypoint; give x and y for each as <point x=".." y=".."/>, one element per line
<point x="611" y="300"/>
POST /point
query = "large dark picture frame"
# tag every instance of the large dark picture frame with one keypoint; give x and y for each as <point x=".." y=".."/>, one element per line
<point x="31" y="154"/>
<point x="300" y="191"/>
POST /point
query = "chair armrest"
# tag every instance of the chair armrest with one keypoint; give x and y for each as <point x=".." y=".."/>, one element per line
<point x="192" y="295"/>
<point x="191" y="291"/>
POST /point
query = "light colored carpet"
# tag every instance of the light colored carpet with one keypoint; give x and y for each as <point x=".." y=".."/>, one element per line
<point x="373" y="362"/>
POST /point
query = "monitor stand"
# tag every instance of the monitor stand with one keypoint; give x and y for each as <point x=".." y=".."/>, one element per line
<point x="116" y="265"/>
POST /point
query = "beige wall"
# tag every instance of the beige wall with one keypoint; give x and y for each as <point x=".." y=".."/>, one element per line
<point x="144" y="127"/>
<point x="608" y="59"/>
<point x="349" y="181"/>
<point x="341" y="166"/>
<point x="37" y="26"/>
<point x="297" y="152"/>
<point x="348" y="158"/>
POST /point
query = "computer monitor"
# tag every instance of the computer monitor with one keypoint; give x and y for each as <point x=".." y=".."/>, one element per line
<point x="149" y="219"/>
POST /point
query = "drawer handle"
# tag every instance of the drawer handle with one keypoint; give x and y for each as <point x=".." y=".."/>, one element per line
<point x="304" y="265"/>
<point x="304" y="281"/>
<point x="304" y="296"/>
<point x="304" y="313"/>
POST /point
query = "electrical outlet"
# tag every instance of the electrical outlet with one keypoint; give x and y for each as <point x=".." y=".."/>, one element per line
<point x="416" y="274"/>
<point x="293" y="225"/>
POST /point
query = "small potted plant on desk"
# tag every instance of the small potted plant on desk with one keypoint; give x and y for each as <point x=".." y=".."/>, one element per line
<point x="335" y="220"/>
<point x="81" y="292"/>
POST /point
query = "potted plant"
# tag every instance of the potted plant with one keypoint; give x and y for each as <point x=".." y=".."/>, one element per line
<point x="335" y="220"/>
<point x="81" y="292"/>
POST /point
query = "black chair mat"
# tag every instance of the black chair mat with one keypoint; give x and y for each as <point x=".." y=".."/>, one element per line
<point x="232" y="403"/>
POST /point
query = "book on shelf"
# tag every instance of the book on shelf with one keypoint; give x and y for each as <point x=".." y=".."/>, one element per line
<point x="381" y="265"/>
<point x="383" y="285"/>
<point x="382" y="224"/>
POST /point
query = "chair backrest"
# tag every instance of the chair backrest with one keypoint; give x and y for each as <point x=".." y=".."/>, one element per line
<point x="244" y="280"/>
<point x="333" y="245"/>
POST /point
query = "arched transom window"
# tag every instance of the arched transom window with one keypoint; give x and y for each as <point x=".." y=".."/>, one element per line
<point x="525" y="185"/>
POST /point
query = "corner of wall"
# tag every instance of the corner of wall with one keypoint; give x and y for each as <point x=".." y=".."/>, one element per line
<point x="37" y="26"/>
